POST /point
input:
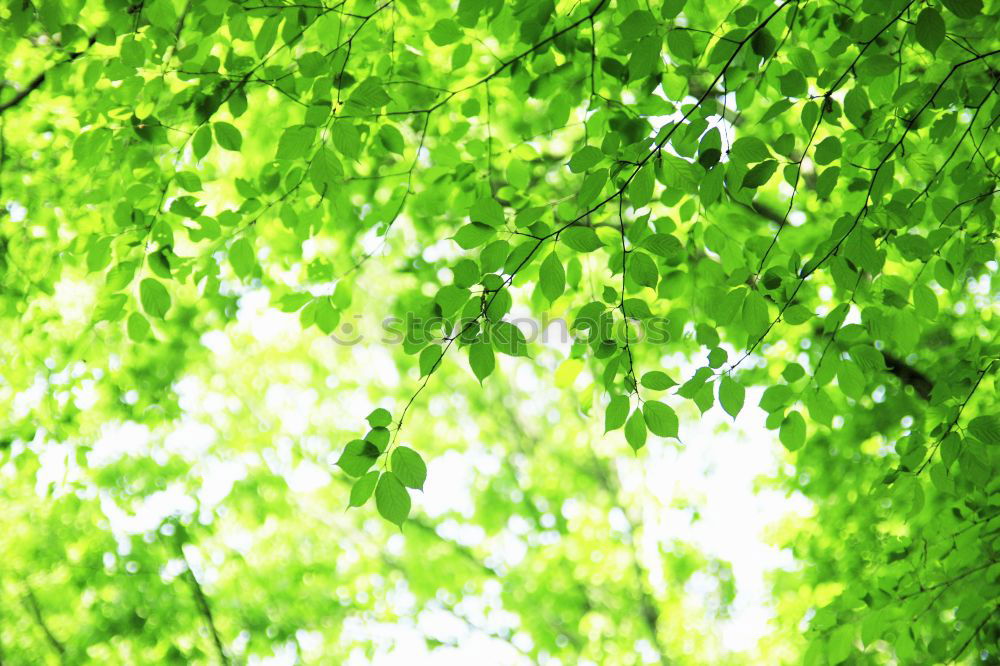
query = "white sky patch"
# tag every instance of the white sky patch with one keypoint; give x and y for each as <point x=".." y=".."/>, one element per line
<point x="720" y="468"/>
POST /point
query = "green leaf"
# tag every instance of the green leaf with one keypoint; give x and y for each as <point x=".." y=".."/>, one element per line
<point x="755" y="316"/>
<point x="760" y="174"/>
<point x="793" y="431"/>
<point x="520" y="256"/>
<point x="640" y="190"/>
<point x="793" y="84"/>
<point x="877" y="65"/>
<point x="775" y="397"/>
<point x="669" y="9"/>
<point x="872" y="628"/>
<point x="161" y="13"/>
<point x="189" y="181"/>
<point x="201" y="143"/>
<point x="711" y="186"/>
<point x="466" y="273"/>
<point x="326" y="315"/>
<point x="925" y="302"/>
<point x="154" y="297"/>
<point x="99" y="254"/>
<point x="508" y="339"/>
<point x="660" y="418"/>
<point x="493" y="256"/>
<point x="137" y="327"/>
<point x="691" y="387"/>
<point x="643" y="270"/>
<point x="645" y="57"/>
<point x="828" y="150"/>
<point x="581" y="239"/>
<point x="856" y="106"/>
<point x="132" y="53"/>
<point x="663" y="245"/>
<point x="951" y="447"/>
<point x="460" y="56"/>
<point x="593" y="184"/>
<point x="409" y="467"/>
<point x="717" y="357"/>
<point x="347" y="140"/>
<point x="636" y="308"/>
<point x="637" y="24"/>
<point x="392" y="139"/>
<point x="430" y="359"/>
<point x="965" y="9"/>
<point x="827" y="182"/>
<point x="473" y="235"/>
<point x="584" y="159"/>
<point x="750" y="150"/>
<point x="325" y="170"/>
<point x="635" y="431"/>
<point x="488" y="211"/>
<point x="445" y="32"/>
<point x="986" y="429"/>
<point x="868" y="358"/>
<point x="657" y="380"/>
<point x="840" y="644"/>
<point x="616" y="412"/>
<point x="498" y="304"/>
<point x="392" y="499"/>
<point x="242" y="258"/>
<point x="930" y="29"/>
<point x="266" y="35"/>
<point x="312" y="63"/>
<point x="227" y="136"/>
<point x="552" y="277"/>
<point x="528" y="216"/>
<point x="731" y="395"/>
<point x="680" y="44"/>
<point x="851" y="380"/>
<point x="358" y="456"/>
<point x="451" y="299"/>
<point x="362" y="489"/>
<point x="370" y="94"/>
<point x="379" y="418"/>
<point x="481" y="360"/>
<point x="379" y="437"/>
<point x="797" y="314"/>
<point x="763" y="43"/>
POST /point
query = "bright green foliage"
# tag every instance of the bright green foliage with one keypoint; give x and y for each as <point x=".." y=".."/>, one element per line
<point x="798" y="197"/>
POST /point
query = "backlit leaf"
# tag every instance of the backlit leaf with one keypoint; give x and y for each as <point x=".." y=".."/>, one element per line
<point x="392" y="499"/>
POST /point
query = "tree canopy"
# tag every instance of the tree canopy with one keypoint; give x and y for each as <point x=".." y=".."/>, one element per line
<point x="483" y="271"/>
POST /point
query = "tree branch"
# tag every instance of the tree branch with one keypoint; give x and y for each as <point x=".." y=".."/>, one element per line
<point x="958" y="415"/>
<point x="31" y="603"/>
<point x="37" y="82"/>
<point x="972" y="636"/>
<point x="201" y="600"/>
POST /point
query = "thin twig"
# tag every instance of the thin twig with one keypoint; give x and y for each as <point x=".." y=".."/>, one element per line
<point x="201" y="600"/>
<point x="36" y="613"/>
